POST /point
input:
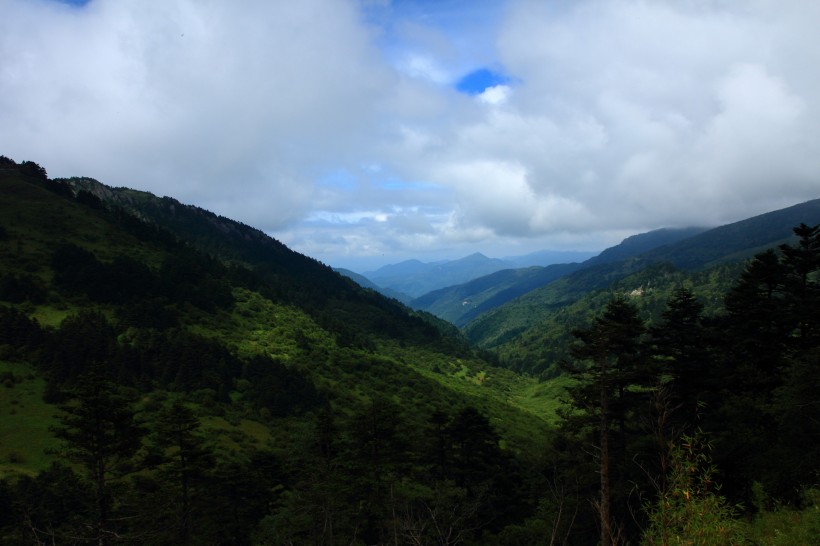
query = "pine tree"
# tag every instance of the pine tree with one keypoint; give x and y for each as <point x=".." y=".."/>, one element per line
<point x="609" y="359"/>
<point x="680" y="345"/>
<point x="99" y="434"/>
<point x="185" y="459"/>
<point x="768" y="369"/>
<point x="801" y="287"/>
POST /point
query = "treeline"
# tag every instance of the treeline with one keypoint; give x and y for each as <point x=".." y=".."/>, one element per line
<point x="185" y="276"/>
<point x="669" y="412"/>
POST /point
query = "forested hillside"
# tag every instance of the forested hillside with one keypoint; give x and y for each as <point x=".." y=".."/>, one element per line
<point x="168" y="376"/>
<point x="228" y="367"/>
<point x="530" y="332"/>
<point x="464" y="302"/>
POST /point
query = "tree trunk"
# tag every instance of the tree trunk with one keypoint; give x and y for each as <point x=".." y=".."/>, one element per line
<point x="606" y="531"/>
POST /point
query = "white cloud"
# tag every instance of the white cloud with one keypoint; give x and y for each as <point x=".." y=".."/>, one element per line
<point x="497" y="94"/>
<point x="699" y="111"/>
<point x="620" y="115"/>
<point x="196" y="99"/>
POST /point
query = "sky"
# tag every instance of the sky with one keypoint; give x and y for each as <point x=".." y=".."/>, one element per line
<point x="367" y="132"/>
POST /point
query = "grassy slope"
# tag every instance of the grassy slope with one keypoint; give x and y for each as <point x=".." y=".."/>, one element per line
<point x="24" y="421"/>
<point x="414" y="376"/>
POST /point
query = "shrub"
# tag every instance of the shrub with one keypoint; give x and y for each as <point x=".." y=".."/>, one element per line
<point x="690" y="511"/>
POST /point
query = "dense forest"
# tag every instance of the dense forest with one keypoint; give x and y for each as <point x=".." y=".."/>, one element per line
<point x="172" y="377"/>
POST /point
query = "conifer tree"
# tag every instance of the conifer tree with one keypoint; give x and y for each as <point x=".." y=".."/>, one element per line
<point x="801" y="286"/>
<point x="98" y="433"/>
<point x="680" y="346"/>
<point x="609" y="358"/>
<point x="185" y="458"/>
<point x="768" y="368"/>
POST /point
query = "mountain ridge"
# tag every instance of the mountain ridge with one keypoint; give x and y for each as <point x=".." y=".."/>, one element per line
<point x="415" y="278"/>
<point x="412" y="279"/>
<point x="486" y="293"/>
<point x="731" y="243"/>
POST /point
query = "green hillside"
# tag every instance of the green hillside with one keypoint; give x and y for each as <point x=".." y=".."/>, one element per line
<point x="518" y="323"/>
<point x="255" y="338"/>
<point x="169" y="376"/>
<point x="461" y="303"/>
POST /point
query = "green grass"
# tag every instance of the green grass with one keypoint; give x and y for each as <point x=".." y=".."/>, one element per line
<point x="521" y="415"/>
<point x="24" y="422"/>
<point x="235" y="437"/>
<point x="47" y="315"/>
<point x="541" y="399"/>
<point x="786" y="526"/>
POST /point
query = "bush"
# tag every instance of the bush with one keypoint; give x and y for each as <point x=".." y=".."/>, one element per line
<point x="690" y="512"/>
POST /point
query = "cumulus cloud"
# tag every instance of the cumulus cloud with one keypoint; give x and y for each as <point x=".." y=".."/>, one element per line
<point x="698" y="112"/>
<point x="232" y="108"/>
<point x="338" y="125"/>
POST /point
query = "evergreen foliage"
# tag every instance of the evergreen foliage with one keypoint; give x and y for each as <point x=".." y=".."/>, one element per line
<point x="99" y="434"/>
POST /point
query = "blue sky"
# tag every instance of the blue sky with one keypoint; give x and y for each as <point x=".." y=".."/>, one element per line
<point x="479" y="80"/>
<point x="364" y="132"/>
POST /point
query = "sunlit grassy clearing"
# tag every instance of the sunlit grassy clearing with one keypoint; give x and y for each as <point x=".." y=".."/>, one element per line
<point x="24" y="422"/>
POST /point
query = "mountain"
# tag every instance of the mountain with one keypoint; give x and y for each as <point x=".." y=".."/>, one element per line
<point x="710" y="260"/>
<point x="643" y="242"/>
<point x="364" y="282"/>
<point x="466" y="302"/>
<point x="544" y="258"/>
<point x="738" y="240"/>
<point x="413" y="279"/>
<point x="416" y="278"/>
<point x="116" y="296"/>
<point x="361" y="280"/>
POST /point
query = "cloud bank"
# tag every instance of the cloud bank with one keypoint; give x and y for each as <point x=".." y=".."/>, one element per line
<point x="344" y="128"/>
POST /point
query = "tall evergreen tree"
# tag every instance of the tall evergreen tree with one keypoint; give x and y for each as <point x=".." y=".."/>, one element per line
<point x="185" y="459"/>
<point x="609" y="359"/>
<point x="680" y="345"/>
<point x="755" y="329"/>
<point x="801" y="286"/>
<point x="98" y="433"/>
<point x="768" y="355"/>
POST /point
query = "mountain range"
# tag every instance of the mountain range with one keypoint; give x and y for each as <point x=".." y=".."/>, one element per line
<point x="506" y="310"/>
<point x="413" y="278"/>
